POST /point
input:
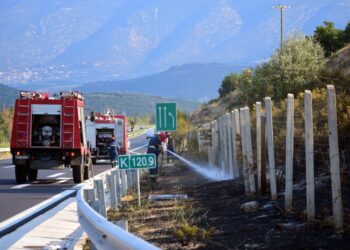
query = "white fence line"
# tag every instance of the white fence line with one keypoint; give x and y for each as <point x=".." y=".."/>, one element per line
<point x="102" y="233"/>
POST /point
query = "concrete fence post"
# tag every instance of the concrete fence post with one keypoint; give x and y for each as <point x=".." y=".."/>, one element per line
<point x="250" y="160"/>
<point x="116" y="174"/>
<point x="309" y="156"/>
<point x="234" y="145"/>
<point x="289" y="153"/>
<point x="271" y="148"/>
<point x="101" y="197"/>
<point x="258" y="143"/>
<point x="237" y="122"/>
<point x="244" y="151"/>
<point x="216" y="143"/>
<point x="334" y="159"/>
<point x="225" y="147"/>
<point x="229" y="144"/>
<point x="263" y="154"/>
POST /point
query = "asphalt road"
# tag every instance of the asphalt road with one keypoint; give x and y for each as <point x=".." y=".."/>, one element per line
<point x="15" y="198"/>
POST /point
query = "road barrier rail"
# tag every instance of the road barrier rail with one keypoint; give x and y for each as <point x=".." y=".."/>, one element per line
<point x="94" y="198"/>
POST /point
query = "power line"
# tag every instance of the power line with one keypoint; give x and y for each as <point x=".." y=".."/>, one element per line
<point x="281" y="8"/>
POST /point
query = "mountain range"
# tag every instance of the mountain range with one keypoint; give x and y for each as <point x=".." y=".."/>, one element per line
<point x="74" y="42"/>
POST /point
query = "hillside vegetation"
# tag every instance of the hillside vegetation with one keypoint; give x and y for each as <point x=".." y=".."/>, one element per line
<point x="300" y="65"/>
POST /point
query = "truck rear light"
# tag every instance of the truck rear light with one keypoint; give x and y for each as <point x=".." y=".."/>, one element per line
<point x="72" y="154"/>
<point x="18" y="153"/>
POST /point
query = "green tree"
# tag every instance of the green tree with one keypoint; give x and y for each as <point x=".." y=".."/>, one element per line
<point x="295" y="68"/>
<point x="229" y="84"/>
<point x="330" y="38"/>
<point x="346" y="34"/>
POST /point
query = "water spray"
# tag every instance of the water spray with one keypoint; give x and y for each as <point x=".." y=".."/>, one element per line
<point x="208" y="171"/>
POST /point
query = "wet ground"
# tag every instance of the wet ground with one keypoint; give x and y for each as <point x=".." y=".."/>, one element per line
<point x="211" y="217"/>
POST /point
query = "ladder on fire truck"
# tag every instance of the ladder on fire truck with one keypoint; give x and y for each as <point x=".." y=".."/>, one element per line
<point x="23" y="124"/>
<point x="68" y="118"/>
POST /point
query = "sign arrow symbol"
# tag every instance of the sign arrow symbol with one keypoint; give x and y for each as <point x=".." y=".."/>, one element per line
<point x="173" y="118"/>
<point x="165" y="117"/>
<point x="160" y="116"/>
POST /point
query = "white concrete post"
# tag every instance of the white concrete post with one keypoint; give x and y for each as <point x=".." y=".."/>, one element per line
<point x="289" y="153"/>
<point x="229" y="144"/>
<point x="91" y="198"/>
<point x="244" y="152"/>
<point x="334" y="159"/>
<point x="226" y="139"/>
<point x="258" y="143"/>
<point x="237" y="122"/>
<point x="271" y="148"/>
<point x="309" y="156"/>
<point x="249" y="146"/>
<point x="216" y="144"/>
<point x="101" y="197"/>
<point x="235" y="166"/>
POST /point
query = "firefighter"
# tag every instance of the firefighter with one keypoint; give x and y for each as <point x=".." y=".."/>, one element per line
<point x="154" y="148"/>
<point x="113" y="151"/>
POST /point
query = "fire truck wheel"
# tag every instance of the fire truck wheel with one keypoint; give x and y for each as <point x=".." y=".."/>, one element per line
<point x="21" y="174"/>
<point x="78" y="173"/>
<point x="94" y="161"/>
<point x="32" y="174"/>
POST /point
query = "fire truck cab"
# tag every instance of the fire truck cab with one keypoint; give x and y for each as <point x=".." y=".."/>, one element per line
<point x="49" y="133"/>
<point x="100" y="129"/>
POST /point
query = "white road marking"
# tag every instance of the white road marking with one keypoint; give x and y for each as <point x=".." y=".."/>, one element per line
<point x="20" y="186"/>
<point x="132" y="150"/>
<point x="55" y="175"/>
<point x="61" y="181"/>
<point x="12" y="166"/>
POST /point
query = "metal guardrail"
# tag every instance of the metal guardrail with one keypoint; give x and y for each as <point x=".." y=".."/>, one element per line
<point x="102" y="233"/>
<point x="4" y="149"/>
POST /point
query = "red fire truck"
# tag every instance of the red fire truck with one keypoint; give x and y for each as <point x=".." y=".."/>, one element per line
<point x="100" y="129"/>
<point x="49" y="133"/>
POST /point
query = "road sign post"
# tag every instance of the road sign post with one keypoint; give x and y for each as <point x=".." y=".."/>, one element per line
<point x="137" y="162"/>
<point x="166" y="119"/>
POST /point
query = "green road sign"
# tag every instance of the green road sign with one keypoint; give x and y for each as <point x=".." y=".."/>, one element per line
<point x="137" y="161"/>
<point x="166" y="116"/>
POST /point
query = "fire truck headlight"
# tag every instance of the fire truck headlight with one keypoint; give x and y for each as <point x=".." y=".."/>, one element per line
<point x="63" y="157"/>
<point x="72" y="154"/>
<point x="18" y="153"/>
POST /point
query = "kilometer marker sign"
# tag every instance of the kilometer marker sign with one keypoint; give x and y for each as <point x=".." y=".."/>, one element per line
<point x="137" y="161"/>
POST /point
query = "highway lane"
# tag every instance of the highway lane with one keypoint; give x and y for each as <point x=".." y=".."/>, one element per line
<point x="18" y="198"/>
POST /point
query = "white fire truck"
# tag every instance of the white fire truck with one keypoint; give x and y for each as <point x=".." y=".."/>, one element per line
<point x="49" y="133"/>
<point x="100" y="130"/>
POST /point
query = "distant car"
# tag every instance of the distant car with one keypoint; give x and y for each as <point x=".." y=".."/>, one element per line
<point x="150" y="133"/>
<point x="142" y="127"/>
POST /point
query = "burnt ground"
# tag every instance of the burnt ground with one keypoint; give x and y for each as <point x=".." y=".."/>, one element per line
<point x="214" y="208"/>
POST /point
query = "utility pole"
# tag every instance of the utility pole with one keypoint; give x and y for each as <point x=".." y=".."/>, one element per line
<point x="281" y="8"/>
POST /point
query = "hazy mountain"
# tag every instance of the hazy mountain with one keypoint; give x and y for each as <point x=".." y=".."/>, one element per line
<point x="7" y="96"/>
<point x="78" y="41"/>
<point x="127" y="103"/>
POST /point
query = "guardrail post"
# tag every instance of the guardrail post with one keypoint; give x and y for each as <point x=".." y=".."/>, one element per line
<point x="263" y="154"/>
<point x="244" y="151"/>
<point x="112" y="191"/>
<point x="289" y="153"/>
<point x="309" y="156"/>
<point x="124" y="183"/>
<point x="116" y="175"/>
<point x="334" y="159"/>
<point x="225" y="146"/>
<point x="271" y="148"/>
<point x="101" y="197"/>
<point x="250" y="160"/>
